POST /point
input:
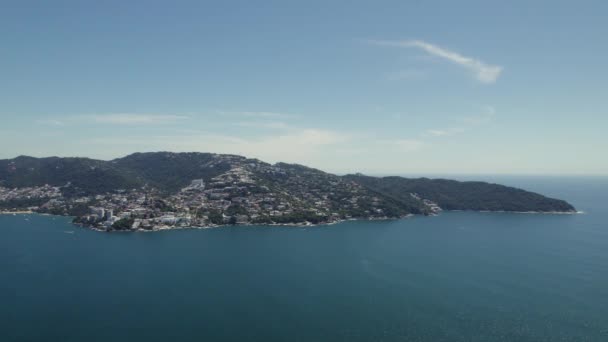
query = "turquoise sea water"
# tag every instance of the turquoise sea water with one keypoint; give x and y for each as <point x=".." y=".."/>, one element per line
<point x="457" y="277"/>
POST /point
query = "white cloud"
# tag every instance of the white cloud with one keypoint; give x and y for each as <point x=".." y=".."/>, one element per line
<point x="437" y="132"/>
<point x="50" y="122"/>
<point x="468" y="122"/>
<point x="134" y="118"/>
<point x="444" y="132"/>
<point x="303" y="146"/>
<point x="329" y="150"/>
<point x="260" y="115"/>
<point x="483" y="72"/>
<point x="263" y="124"/>
<point x="251" y="119"/>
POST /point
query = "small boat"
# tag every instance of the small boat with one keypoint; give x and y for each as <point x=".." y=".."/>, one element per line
<point x="68" y="231"/>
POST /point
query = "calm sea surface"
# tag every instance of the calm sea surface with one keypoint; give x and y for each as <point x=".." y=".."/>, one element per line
<point x="457" y="277"/>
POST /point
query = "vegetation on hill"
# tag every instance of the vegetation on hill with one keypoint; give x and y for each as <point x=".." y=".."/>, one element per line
<point x="455" y="195"/>
<point x="173" y="171"/>
<point x="305" y="188"/>
<point x="75" y="175"/>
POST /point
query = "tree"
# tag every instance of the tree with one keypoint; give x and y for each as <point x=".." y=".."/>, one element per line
<point x="123" y="224"/>
<point x="216" y="217"/>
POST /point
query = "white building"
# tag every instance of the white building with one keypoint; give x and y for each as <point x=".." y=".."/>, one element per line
<point x="197" y="184"/>
<point x="168" y="219"/>
<point x="100" y="212"/>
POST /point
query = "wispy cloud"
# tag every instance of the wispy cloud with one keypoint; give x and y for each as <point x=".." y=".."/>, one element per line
<point x="248" y="119"/>
<point x="295" y="146"/>
<point x="50" y="122"/>
<point x="483" y="72"/>
<point x="263" y="124"/>
<point x="437" y="132"/>
<point x="259" y="115"/>
<point x="134" y="118"/>
<point x="443" y="132"/>
<point x="486" y="115"/>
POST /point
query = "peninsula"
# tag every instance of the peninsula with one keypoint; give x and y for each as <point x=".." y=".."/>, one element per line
<point x="165" y="190"/>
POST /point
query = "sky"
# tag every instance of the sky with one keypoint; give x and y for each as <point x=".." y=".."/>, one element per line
<point x="390" y="87"/>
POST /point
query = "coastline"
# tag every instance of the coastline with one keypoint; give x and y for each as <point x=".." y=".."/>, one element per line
<point x="576" y="212"/>
<point x="294" y="225"/>
<point x="17" y="212"/>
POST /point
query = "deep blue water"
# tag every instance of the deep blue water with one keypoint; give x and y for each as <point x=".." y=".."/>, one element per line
<point x="457" y="277"/>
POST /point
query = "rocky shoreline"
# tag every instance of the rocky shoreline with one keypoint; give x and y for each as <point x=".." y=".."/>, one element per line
<point x="212" y="226"/>
<point x="295" y="225"/>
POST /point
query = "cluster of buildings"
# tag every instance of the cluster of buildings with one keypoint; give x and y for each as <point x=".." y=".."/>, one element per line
<point x="248" y="193"/>
<point x="46" y="191"/>
<point x="245" y="194"/>
<point x="432" y="206"/>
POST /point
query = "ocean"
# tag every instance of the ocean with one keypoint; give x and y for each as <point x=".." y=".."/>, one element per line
<point x="460" y="276"/>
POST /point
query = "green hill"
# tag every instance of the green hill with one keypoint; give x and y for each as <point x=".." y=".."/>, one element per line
<point x="454" y="195"/>
<point x="169" y="172"/>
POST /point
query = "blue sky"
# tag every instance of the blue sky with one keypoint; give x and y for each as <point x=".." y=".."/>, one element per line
<point x="515" y="87"/>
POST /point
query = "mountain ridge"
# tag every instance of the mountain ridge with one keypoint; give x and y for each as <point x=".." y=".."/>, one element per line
<point x="243" y="189"/>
